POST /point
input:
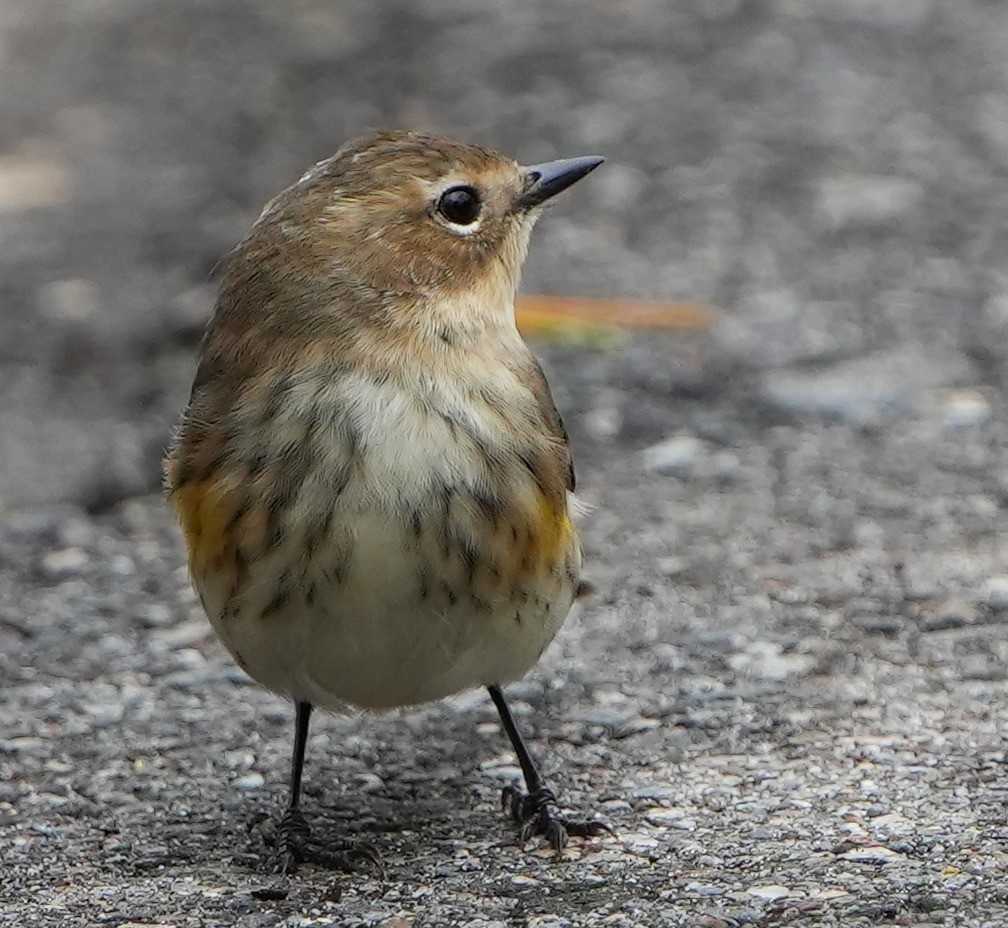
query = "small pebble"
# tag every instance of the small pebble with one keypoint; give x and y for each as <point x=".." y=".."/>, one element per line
<point x="994" y="592"/>
<point x="705" y="889"/>
<point x="866" y="200"/>
<point x="27" y="747"/>
<point x="770" y="892"/>
<point x="67" y="562"/>
<point x="121" y="565"/>
<point x="677" y="455"/>
<point x="249" y="781"/>
<point x="269" y="893"/>
<point x="964" y="408"/>
<point x="830" y="893"/>
<point x="639" y="843"/>
<point x="155" y="615"/>
<point x="370" y="783"/>
<point x="70" y="300"/>
<point x="672" y="818"/>
<point x="548" y="920"/>
<point x="954" y="613"/>
<point x="875" y="854"/>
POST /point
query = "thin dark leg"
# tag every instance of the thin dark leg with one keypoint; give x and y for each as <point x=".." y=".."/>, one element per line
<point x="536" y="811"/>
<point x="532" y="779"/>
<point x="294" y="836"/>
<point x="297" y="761"/>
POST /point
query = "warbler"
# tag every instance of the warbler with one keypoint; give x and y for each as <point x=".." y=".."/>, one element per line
<point x="371" y="475"/>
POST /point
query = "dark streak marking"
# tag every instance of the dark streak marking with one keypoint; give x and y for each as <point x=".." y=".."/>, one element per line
<point x="491" y="506"/>
<point x="339" y="481"/>
<point x="317" y="532"/>
<point x="491" y="461"/>
<point x="280" y="599"/>
<point x="329" y="519"/>
<point x="277" y="536"/>
<point x="470" y="558"/>
<point x="241" y="566"/>
<point x="449" y="593"/>
<point x="354" y="447"/>
<point x="312" y="539"/>
<point x="336" y="572"/>
<point x="260" y="461"/>
<point x="479" y="604"/>
<point x="533" y="468"/>
<point x="232" y="433"/>
<point x="277" y="398"/>
<point x="215" y="465"/>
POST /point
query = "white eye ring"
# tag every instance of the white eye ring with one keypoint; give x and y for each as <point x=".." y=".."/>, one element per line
<point x="458" y="209"/>
<point x="456" y="229"/>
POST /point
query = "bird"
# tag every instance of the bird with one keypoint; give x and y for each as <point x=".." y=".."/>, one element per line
<point x="373" y="481"/>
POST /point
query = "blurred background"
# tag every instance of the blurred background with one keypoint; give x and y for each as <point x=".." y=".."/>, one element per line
<point x="829" y="174"/>
<point x="789" y="693"/>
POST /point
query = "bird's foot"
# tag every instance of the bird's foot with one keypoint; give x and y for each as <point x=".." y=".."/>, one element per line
<point x="538" y="814"/>
<point x="295" y="845"/>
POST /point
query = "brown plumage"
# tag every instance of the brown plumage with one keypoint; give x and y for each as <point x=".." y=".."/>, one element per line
<point x="371" y="474"/>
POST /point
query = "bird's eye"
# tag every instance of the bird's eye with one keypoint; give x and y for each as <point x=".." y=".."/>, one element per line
<point x="459" y="205"/>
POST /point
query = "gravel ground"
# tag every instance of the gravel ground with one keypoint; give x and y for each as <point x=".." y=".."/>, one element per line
<point x="789" y="694"/>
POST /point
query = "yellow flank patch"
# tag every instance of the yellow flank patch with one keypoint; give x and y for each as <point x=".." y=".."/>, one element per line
<point x="204" y="519"/>
<point x="550" y="534"/>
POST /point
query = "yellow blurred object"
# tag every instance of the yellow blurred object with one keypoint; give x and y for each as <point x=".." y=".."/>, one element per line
<point x="597" y="322"/>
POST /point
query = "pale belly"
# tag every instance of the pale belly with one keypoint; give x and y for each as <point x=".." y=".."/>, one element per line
<point x="401" y="622"/>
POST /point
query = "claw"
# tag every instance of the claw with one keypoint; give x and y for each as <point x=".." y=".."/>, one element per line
<point x="539" y="814"/>
<point x="592" y="829"/>
<point x="295" y="845"/>
<point x="556" y="834"/>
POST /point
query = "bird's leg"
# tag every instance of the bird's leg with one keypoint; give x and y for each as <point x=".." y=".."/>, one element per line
<point x="294" y="834"/>
<point x="294" y="840"/>
<point x="536" y="811"/>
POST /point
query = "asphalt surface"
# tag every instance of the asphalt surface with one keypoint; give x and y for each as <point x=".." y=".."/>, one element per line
<point x="788" y="695"/>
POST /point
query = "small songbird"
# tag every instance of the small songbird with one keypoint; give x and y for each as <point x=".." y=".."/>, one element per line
<point x="371" y="475"/>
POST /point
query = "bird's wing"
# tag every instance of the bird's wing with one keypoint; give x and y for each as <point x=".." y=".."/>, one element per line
<point x="551" y="418"/>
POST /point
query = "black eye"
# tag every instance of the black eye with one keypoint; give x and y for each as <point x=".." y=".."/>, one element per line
<point x="460" y="205"/>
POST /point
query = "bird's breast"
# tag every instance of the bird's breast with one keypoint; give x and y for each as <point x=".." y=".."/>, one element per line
<point x="456" y="461"/>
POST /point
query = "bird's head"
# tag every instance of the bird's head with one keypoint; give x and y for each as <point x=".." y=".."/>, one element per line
<point x="410" y="219"/>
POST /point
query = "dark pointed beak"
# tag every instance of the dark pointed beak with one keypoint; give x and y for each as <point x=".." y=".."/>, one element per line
<point x="543" y="181"/>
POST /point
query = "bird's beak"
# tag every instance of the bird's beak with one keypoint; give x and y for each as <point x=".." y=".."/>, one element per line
<point x="543" y="181"/>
